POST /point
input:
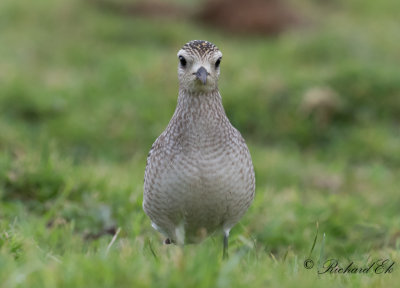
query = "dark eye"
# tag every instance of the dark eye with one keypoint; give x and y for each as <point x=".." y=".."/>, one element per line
<point x="218" y="62"/>
<point x="182" y="60"/>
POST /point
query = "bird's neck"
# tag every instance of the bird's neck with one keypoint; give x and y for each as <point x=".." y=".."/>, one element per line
<point x="208" y="104"/>
<point x="198" y="116"/>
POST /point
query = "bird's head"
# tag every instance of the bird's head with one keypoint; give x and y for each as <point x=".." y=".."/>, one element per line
<point x="199" y="64"/>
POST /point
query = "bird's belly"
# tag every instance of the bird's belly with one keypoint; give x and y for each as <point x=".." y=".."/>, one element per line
<point x="203" y="193"/>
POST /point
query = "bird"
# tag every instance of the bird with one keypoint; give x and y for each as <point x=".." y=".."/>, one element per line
<point x="199" y="177"/>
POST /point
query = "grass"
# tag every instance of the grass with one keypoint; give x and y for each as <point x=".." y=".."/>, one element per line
<point x="84" y="93"/>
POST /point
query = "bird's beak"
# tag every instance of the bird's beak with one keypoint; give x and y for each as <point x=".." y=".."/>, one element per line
<point x="201" y="74"/>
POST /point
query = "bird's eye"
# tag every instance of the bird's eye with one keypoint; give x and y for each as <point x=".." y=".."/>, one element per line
<point x="218" y="62"/>
<point x="182" y="60"/>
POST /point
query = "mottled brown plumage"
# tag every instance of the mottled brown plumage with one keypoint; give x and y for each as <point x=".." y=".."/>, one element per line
<point x="199" y="177"/>
<point x="201" y="47"/>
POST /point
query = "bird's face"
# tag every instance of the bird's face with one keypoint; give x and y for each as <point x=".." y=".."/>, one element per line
<point x="199" y="65"/>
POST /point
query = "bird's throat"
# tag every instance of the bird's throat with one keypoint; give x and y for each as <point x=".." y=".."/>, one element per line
<point x="200" y="103"/>
<point x="199" y="120"/>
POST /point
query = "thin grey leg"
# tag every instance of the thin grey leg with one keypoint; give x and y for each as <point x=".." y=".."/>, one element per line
<point x="225" y="251"/>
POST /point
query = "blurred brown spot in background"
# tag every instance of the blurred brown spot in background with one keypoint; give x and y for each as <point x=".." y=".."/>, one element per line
<point x="322" y="103"/>
<point x="265" y="17"/>
<point x="268" y="17"/>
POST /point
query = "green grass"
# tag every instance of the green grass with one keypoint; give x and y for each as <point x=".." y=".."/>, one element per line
<point x="84" y="93"/>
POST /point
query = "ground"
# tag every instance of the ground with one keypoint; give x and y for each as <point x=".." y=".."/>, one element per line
<point x="85" y="91"/>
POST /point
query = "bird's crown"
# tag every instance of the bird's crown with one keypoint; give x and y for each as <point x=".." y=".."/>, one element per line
<point x="200" y="47"/>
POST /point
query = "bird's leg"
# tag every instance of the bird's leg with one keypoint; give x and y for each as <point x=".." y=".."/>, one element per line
<point x="225" y="250"/>
<point x="180" y="234"/>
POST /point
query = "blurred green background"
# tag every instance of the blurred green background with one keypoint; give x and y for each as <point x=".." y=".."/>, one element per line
<point x="87" y="86"/>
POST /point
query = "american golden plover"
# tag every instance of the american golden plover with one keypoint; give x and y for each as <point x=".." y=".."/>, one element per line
<point x="199" y="177"/>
